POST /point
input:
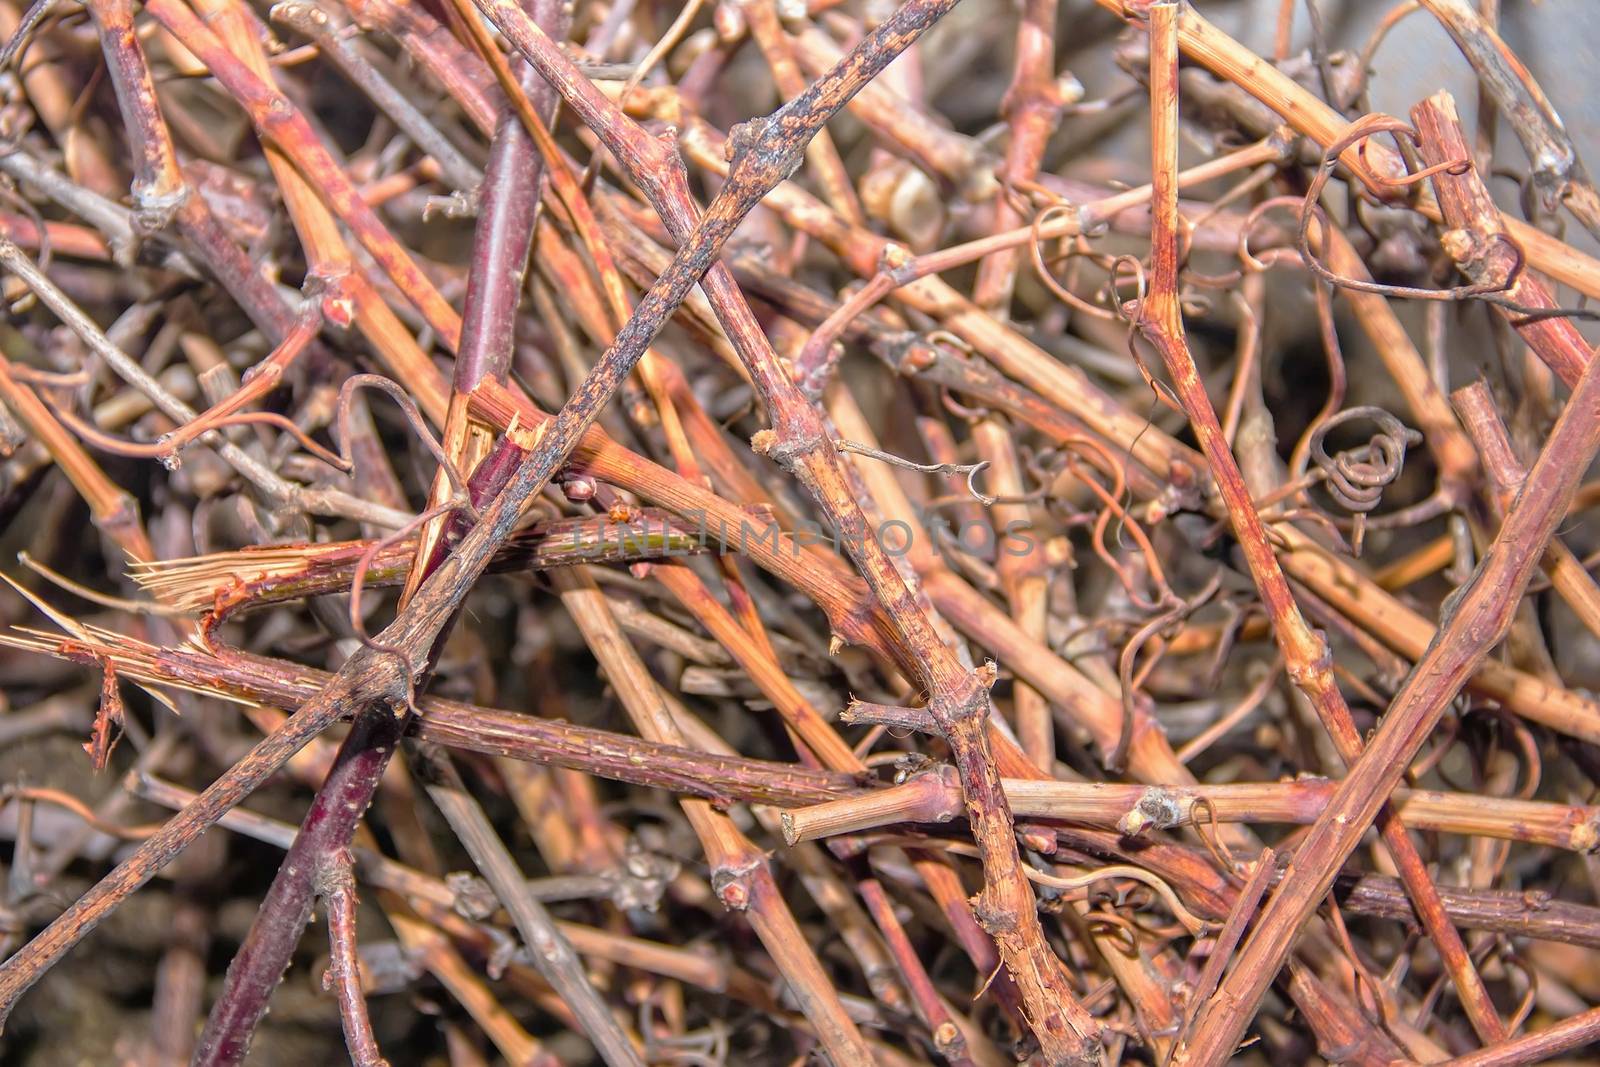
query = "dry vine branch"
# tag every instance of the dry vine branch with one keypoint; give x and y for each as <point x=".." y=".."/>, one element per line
<point x="957" y="705"/>
<point x="1477" y="621"/>
<point x="1307" y="659"/>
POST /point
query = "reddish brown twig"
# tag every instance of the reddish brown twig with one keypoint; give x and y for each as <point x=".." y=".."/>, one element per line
<point x="1507" y="476"/>
<point x="799" y="443"/>
<point x="337" y="887"/>
<point x="1568" y="1034"/>
<point x="1478" y="620"/>
<point x="1318" y="120"/>
<point x="1558" y="170"/>
<point x="1001" y="519"/>
<point x="1306" y="655"/>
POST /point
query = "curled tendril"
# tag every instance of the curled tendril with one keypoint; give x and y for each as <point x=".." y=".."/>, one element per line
<point x="968" y="413"/>
<point x="1259" y="177"/>
<point x="162" y="449"/>
<point x="1128" y="309"/>
<point x="1207" y="832"/>
<point x="1254" y="264"/>
<point x="1357" y="477"/>
<point x="413" y="417"/>
<point x="1113" y="502"/>
<point x="1042" y="267"/>
<point x="1456" y="167"/>
<point x="971" y="470"/>
<point x="1108" y="924"/>
<point x="1530" y="202"/>
<point x="1369" y="50"/>
<point x="1161" y="625"/>
<point x="1356" y="134"/>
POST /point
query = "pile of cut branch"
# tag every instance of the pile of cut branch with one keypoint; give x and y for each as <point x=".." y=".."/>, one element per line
<point x="886" y="532"/>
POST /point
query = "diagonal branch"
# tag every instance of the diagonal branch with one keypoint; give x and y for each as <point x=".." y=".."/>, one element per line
<point x="1479" y="619"/>
<point x="1308" y="661"/>
<point x="763" y="153"/>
